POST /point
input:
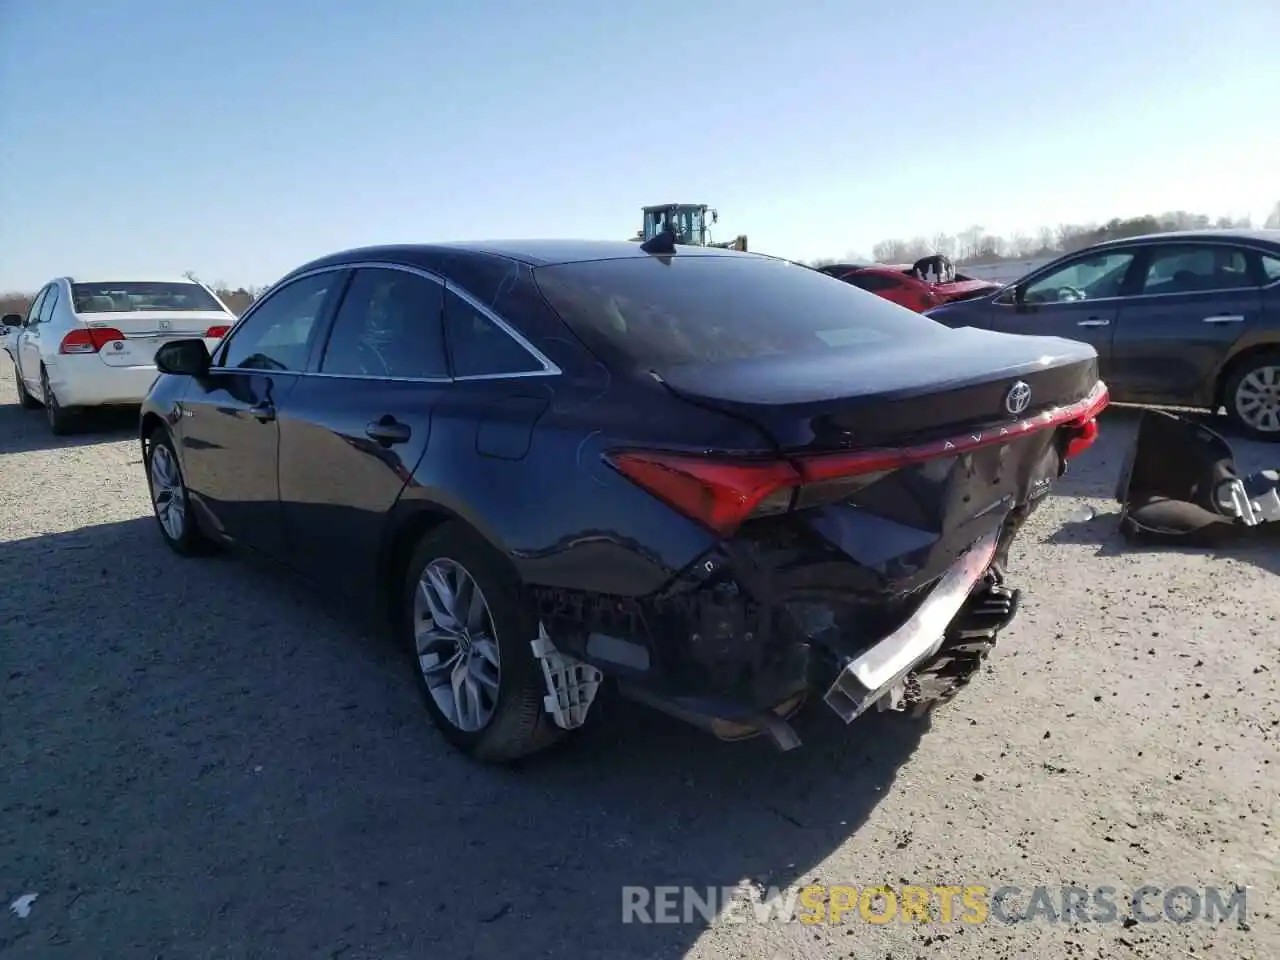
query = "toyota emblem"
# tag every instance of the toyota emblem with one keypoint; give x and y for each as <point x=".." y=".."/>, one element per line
<point x="1018" y="398"/>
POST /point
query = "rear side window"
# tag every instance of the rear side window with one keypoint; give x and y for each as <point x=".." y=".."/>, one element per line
<point x="1270" y="268"/>
<point x="690" y="309"/>
<point x="388" y="326"/>
<point x="33" y="312"/>
<point x="479" y="347"/>
<point x="1193" y="268"/>
<point x="50" y="301"/>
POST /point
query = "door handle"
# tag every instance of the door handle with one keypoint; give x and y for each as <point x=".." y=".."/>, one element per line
<point x="263" y="412"/>
<point x="1094" y="322"/>
<point x="388" y="430"/>
<point x="1225" y="318"/>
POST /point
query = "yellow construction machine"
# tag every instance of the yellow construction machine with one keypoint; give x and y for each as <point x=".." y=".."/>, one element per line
<point x="688" y="221"/>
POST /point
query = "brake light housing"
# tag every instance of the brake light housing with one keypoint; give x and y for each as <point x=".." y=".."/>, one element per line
<point x="216" y="332"/>
<point x="719" y="494"/>
<point x="722" y="493"/>
<point x="88" y="340"/>
<point x="1080" y="437"/>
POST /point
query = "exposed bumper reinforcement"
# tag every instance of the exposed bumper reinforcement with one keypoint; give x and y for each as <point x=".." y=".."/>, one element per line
<point x="877" y="673"/>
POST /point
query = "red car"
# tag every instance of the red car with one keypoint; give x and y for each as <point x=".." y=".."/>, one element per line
<point x="917" y="286"/>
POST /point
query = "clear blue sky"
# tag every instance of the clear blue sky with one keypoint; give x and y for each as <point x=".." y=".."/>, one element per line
<point x="239" y="139"/>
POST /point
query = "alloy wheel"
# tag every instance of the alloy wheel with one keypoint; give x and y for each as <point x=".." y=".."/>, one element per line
<point x="167" y="492"/>
<point x="1257" y="399"/>
<point x="50" y="401"/>
<point x="456" y="645"/>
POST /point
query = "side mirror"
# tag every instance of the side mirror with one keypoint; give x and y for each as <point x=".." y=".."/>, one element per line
<point x="188" y="358"/>
<point x="12" y="320"/>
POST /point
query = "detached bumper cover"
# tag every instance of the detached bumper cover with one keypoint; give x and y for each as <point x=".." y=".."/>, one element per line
<point x="876" y="673"/>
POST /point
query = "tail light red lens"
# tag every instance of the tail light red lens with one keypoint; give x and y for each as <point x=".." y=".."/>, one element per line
<point x="716" y="493"/>
<point x="88" y="339"/>
<point x="1080" y="437"/>
<point x="721" y="494"/>
<point x="216" y="333"/>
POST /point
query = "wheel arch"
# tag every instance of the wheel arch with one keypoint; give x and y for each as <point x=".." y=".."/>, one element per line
<point x="1233" y="365"/>
<point x="410" y="522"/>
<point x="148" y="424"/>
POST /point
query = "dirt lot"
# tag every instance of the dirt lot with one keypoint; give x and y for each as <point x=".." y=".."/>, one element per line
<point x="199" y="760"/>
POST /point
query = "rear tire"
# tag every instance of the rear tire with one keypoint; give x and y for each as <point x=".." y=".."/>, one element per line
<point x="25" y="399"/>
<point x="473" y="660"/>
<point x="1251" y="395"/>
<point x="61" y="422"/>
<point x="170" y="500"/>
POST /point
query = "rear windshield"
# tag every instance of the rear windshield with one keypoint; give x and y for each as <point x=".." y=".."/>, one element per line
<point x="131" y="296"/>
<point x="650" y="313"/>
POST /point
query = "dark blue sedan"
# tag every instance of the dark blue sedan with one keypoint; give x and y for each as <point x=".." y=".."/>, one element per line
<point x="1186" y="319"/>
<point x="712" y="481"/>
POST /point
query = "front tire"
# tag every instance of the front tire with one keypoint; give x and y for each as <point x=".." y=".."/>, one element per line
<point x="468" y="628"/>
<point x="60" y="420"/>
<point x="170" y="500"/>
<point x="25" y="399"/>
<point x="1252" y="397"/>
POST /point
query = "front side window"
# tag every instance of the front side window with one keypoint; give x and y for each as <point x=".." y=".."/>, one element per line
<point x="1193" y="268"/>
<point x="134" y="297"/>
<point x="478" y="346"/>
<point x="388" y="326"/>
<point x="278" y="334"/>
<point x="648" y="312"/>
<point x="1091" y="277"/>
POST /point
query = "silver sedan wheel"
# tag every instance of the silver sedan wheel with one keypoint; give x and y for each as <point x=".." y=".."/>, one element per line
<point x="456" y="645"/>
<point x="1258" y="399"/>
<point x="167" y="493"/>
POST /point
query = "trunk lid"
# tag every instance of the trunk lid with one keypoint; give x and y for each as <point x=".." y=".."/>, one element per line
<point x="971" y="459"/>
<point x="895" y="394"/>
<point x="145" y="331"/>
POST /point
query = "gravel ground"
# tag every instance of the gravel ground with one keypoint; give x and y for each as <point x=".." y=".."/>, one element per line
<point x="200" y="760"/>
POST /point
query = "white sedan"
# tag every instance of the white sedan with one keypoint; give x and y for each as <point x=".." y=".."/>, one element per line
<point x="92" y="344"/>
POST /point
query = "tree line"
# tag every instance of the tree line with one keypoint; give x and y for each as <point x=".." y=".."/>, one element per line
<point x="974" y="245"/>
<point x="977" y="245"/>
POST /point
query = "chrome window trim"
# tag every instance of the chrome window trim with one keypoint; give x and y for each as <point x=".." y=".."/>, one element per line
<point x="1260" y="251"/>
<point x="548" y="368"/>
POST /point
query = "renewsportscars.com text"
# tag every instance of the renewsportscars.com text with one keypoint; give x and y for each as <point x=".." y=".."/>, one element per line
<point x="968" y="903"/>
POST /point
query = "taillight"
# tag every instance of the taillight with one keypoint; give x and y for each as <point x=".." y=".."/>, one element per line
<point x="722" y="494"/>
<point x="1080" y="437"/>
<point x="215" y="333"/>
<point x="88" y="339"/>
<point x="717" y="493"/>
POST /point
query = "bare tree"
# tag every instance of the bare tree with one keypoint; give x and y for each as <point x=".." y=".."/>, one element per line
<point x="977" y="245"/>
<point x="945" y="244"/>
<point x="1273" y="221"/>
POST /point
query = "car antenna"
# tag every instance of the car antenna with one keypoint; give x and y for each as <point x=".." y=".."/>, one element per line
<point x="662" y="243"/>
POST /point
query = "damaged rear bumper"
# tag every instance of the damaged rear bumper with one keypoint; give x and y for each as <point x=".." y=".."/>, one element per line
<point x="881" y="671"/>
<point x="738" y="687"/>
